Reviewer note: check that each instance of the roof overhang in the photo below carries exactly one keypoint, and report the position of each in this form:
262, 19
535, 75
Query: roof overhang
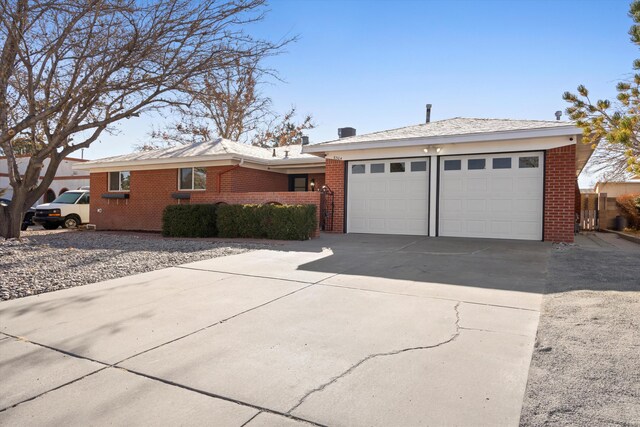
214, 160
323, 148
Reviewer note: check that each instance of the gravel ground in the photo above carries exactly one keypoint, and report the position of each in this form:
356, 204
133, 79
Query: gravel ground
45, 261
585, 369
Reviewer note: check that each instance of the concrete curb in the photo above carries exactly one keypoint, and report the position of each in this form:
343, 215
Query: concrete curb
624, 236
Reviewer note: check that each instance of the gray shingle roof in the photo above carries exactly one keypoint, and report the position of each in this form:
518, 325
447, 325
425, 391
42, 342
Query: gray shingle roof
451, 127
218, 147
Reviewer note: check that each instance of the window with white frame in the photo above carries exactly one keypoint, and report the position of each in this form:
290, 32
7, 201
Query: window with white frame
119, 181
192, 179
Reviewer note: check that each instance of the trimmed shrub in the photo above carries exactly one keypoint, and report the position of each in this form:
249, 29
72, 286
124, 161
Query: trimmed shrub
189, 221
280, 222
629, 205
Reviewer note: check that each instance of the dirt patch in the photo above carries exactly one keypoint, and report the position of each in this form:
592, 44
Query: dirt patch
585, 368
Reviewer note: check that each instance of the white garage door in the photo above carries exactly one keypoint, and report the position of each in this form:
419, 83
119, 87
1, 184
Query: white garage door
388, 196
497, 196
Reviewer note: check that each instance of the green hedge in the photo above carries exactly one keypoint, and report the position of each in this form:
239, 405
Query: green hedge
189, 221
285, 222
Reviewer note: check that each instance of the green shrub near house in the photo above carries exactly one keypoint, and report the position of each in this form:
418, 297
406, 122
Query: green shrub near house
280, 222
189, 221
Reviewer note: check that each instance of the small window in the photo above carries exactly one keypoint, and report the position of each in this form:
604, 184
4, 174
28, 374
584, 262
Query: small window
418, 166
529, 162
192, 179
119, 181
475, 164
377, 168
452, 165
502, 163
357, 169
396, 167
299, 183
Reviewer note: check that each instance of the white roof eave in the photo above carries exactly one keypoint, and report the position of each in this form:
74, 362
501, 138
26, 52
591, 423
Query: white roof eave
447, 139
199, 159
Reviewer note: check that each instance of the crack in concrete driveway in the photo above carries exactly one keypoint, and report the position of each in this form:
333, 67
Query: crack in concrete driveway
384, 354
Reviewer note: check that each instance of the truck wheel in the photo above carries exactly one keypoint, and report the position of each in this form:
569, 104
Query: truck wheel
71, 221
50, 226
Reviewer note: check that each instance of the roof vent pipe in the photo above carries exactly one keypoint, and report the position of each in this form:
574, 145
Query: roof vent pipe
428, 113
286, 154
305, 140
274, 153
558, 114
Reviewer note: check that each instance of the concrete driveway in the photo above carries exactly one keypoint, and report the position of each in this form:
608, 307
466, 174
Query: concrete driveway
341, 330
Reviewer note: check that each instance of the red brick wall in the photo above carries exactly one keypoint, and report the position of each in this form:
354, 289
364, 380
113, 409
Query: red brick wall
560, 193
319, 180
151, 192
334, 178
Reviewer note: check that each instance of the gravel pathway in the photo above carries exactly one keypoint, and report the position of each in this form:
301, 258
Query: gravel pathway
45, 261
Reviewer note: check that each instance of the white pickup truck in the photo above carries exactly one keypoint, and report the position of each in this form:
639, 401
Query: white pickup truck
70, 209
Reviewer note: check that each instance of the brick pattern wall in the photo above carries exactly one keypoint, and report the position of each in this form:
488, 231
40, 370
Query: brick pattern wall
151, 192
560, 193
319, 180
334, 178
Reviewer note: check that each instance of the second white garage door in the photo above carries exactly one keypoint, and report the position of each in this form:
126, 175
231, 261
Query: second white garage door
495, 196
388, 196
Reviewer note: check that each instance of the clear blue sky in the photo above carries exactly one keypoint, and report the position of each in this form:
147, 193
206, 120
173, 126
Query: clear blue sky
374, 65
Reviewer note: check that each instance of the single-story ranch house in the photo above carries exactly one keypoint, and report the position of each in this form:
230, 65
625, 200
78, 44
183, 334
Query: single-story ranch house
130, 192
491, 178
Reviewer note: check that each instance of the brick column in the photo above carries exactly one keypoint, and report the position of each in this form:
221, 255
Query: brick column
334, 178
560, 194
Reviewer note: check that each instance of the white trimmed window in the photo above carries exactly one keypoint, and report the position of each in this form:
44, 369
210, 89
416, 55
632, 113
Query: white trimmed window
119, 181
192, 179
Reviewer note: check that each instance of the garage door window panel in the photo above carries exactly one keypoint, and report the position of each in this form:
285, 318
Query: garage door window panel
529, 162
502, 163
377, 168
418, 166
357, 169
452, 165
476, 164
396, 167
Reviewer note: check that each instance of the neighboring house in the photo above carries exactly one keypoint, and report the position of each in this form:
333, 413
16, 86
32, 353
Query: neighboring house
618, 188
462, 177
603, 199
66, 177
130, 192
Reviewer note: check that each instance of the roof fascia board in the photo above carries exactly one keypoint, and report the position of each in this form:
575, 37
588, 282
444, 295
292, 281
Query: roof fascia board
170, 163
449, 139
454, 149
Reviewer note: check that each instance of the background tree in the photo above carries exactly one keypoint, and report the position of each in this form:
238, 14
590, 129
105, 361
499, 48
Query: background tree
70, 69
616, 126
282, 130
228, 104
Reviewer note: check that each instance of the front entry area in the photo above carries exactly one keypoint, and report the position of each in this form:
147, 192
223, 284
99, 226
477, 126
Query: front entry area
495, 196
388, 196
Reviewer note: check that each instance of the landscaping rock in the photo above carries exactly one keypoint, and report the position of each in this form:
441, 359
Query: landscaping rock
45, 261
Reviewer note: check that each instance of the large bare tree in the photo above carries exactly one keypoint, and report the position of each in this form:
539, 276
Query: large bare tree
70, 69
228, 103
